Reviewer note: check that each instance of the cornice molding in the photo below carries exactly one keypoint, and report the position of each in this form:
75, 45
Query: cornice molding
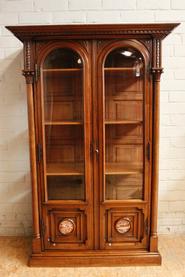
90, 31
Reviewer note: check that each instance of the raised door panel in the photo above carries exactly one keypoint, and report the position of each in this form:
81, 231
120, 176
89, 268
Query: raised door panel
66, 135
68, 228
124, 166
124, 227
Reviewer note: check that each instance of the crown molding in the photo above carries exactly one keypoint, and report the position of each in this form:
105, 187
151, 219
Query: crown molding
91, 31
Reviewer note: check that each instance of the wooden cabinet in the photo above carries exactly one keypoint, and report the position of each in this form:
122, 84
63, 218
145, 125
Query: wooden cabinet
93, 105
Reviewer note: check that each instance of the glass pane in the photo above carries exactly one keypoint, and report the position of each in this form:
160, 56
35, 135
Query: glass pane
64, 125
65, 187
123, 123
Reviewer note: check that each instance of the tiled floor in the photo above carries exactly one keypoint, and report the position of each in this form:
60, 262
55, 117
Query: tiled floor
14, 254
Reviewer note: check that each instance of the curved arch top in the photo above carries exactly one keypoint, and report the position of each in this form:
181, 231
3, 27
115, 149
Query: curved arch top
75, 48
138, 46
62, 58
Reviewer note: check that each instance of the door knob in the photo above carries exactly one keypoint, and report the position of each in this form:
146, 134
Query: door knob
97, 151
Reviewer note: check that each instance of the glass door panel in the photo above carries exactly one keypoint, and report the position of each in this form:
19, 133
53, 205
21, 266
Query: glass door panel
62, 75
123, 125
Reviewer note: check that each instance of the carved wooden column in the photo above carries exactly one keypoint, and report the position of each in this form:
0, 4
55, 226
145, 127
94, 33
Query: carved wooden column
29, 73
156, 71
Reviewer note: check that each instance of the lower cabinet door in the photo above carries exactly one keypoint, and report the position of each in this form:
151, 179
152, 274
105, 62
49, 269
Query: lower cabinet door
124, 228
67, 229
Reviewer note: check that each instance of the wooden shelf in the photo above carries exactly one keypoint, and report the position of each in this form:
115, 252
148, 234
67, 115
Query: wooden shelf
109, 122
122, 169
119, 68
64, 169
62, 70
69, 169
63, 123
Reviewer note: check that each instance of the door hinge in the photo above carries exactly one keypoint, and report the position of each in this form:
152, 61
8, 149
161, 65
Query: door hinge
37, 72
39, 153
148, 151
43, 227
146, 226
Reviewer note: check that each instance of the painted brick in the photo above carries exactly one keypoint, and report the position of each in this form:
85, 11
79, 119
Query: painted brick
14, 166
172, 108
2, 53
163, 206
35, 18
9, 42
69, 17
85, 5
179, 74
173, 62
165, 120
164, 97
174, 153
168, 164
9, 123
165, 221
8, 18
54, 5
180, 29
17, 6
168, 75
173, 85
138, 16
178, 4
153, 4
173, 39
103, 17
12, 177
177, 195
178, 206
179, 50
177, 96
174, 229
168, 51
173, 175
178, 119
119, 4
170, 16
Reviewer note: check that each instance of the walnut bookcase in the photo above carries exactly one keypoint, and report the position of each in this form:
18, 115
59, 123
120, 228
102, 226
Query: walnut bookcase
93, 106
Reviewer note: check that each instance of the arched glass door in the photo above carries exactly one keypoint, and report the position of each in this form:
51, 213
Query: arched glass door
62, 77
124, 125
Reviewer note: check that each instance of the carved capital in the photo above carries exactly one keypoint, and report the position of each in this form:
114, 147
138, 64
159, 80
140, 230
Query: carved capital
29, 75
157, 73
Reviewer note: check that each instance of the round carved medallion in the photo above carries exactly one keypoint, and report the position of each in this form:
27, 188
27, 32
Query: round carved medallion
66, 226
122, 225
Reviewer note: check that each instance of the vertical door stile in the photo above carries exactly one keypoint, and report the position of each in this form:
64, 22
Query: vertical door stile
95, 143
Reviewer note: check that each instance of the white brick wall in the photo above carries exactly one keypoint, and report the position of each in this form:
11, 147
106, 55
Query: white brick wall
15, 194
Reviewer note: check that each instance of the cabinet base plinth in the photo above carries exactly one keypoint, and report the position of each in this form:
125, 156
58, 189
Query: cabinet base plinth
149, 259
